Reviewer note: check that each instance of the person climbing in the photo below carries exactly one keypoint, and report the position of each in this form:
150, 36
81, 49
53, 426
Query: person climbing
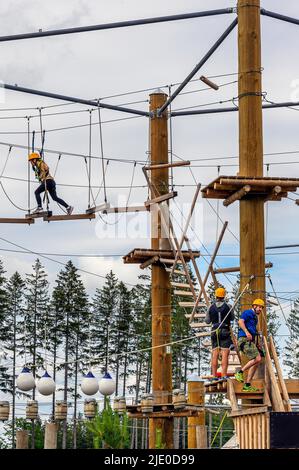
220, 314
248, 343
48, 184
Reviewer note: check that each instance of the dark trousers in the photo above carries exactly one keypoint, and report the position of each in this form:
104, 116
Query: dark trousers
51, 188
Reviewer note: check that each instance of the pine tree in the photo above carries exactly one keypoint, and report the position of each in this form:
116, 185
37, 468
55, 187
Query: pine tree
35, 320
104, 307
4, 331
124, 318
12, 325
71, 302
140, 363
292, 344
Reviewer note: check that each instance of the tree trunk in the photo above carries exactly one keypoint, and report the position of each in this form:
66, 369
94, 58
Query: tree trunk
66, 357
14, 377
75, 386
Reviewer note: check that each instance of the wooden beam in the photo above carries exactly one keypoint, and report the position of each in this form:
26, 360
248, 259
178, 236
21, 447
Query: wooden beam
183, 293
207, 300
210, 267
199, 325
196, 395
236, 269
164, 197
149, 262
116, 210
183, 237
292, 387
101, 208
275, 392
209, 83
58, 218
274, 194
297, 202
38, 215
264, 183
180, 284
280, 376
191, 304
231, 395
164, 414
197, 315
166, 165
237, 195
250, 411
160, 282
9, 220
176, 271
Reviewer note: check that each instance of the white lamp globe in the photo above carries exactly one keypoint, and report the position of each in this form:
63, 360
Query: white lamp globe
25, 380
46, 385
89, 384
107, 385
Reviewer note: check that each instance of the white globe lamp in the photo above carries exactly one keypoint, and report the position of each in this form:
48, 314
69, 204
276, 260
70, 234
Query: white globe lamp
25, 380
46, 385
107, 385
89, 384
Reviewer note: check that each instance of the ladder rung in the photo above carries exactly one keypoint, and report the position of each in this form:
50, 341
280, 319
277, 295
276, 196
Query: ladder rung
179, 284
196, 315
183, 293
191, 304
169, 261
176, 271
187, 304
202, 334
198, 325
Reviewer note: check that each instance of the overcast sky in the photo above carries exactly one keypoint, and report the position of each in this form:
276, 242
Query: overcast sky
104, 63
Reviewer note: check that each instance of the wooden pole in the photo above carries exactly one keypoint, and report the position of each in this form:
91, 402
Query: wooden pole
22, 439
252, 240
283, 387
196, 425
161, 289
50, 436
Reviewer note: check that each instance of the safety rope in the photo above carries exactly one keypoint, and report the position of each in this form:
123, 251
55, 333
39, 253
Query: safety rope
6, 161
102, 151
217, 208
89, 158
220, 426
28, 163
278, 301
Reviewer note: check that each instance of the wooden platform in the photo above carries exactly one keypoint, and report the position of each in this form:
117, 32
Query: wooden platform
141, 255
221, 387
11, 220
225, 187
38, 215
57, 218
166, 410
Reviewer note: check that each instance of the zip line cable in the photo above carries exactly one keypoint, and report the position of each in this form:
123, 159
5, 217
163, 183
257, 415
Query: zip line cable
56, 261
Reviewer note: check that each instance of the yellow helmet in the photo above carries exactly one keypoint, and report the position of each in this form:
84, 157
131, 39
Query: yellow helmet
33, 156
220, 292
259, 302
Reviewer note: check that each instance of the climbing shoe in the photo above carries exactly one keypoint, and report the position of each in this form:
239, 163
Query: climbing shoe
37, 210
249, 388
239, 376
69, 210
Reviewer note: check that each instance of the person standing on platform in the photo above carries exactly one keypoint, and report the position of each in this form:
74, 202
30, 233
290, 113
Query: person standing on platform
248, 343
220, 314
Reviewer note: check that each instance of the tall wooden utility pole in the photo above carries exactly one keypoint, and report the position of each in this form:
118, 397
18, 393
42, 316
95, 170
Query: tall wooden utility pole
161, 295
252, 240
